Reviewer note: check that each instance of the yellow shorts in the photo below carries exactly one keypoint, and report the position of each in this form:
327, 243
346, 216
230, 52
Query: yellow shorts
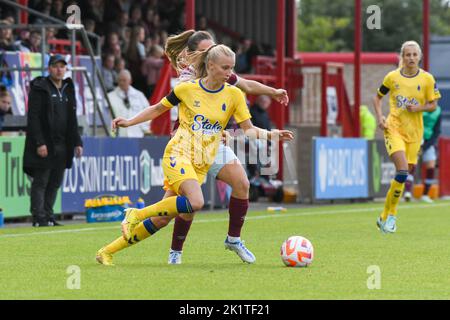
396, 143
179, 169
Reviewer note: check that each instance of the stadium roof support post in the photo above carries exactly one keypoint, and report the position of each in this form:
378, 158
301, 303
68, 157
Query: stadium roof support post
357, 68
190, 14
426, 34
281, 66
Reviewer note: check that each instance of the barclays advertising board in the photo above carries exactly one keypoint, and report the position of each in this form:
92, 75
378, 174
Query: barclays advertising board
340, 168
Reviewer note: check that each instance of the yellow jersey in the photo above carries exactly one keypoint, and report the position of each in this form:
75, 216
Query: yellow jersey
203, 115
418, 90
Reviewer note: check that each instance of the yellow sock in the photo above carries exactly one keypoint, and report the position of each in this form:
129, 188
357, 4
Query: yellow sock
392, 199
117, 245
170, 206
144, 230
387, 206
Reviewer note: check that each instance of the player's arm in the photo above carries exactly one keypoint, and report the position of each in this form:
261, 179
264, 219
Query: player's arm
429, 107
381, 120
256, 88
251, 131
147, 114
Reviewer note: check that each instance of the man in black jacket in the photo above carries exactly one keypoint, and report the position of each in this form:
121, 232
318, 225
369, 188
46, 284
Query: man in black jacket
52, 138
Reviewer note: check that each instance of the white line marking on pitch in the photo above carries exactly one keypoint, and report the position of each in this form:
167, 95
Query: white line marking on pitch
269, 216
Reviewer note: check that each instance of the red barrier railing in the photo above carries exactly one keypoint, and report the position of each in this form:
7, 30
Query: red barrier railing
63, 46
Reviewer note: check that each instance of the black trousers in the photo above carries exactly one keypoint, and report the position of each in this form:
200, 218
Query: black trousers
45, 185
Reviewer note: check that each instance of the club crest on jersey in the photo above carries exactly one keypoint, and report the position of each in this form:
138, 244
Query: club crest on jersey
201, 123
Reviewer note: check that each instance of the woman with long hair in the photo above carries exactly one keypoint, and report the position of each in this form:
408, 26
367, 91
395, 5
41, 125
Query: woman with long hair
226, 167
205, 107
412, 91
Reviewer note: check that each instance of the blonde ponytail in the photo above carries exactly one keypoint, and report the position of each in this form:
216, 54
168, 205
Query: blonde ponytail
186, 41
175, 46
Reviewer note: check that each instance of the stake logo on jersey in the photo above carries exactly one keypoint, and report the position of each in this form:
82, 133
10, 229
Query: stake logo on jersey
203, 117
201, 123
402, 101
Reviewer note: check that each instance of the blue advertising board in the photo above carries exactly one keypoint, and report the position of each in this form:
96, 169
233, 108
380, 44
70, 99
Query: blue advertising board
115, 166
340, 168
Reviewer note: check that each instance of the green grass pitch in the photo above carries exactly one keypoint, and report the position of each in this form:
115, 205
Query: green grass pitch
413, 263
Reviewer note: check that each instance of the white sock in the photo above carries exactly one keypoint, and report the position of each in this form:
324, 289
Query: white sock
234, 239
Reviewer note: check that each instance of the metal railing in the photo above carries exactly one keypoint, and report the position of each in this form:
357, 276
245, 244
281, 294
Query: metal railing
59, 24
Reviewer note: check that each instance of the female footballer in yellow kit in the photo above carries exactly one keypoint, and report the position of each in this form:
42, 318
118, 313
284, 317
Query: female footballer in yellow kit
206, 106
412, 91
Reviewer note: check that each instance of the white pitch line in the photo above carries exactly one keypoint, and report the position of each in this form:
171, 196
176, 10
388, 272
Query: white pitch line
269, 216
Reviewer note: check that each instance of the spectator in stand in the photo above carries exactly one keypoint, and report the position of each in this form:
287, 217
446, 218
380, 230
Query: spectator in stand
116, 51
136, 16
260, 117
148, 20
108, 72
125, 39
148, 45
89, 25
151, 68
157, 26
6, 37
57, 10
115, 7
126, 101
203, 25
5, 104
44, 7
112, 39
164, 35
50, 34
119, 65
136, 55
156, 39
242, 61
24, 35
119, 25
33, 44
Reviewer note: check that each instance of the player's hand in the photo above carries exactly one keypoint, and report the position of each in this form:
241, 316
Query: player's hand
119, 122
283, 135
42, 151
381, 123
281, 96
226, 136
413, 108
